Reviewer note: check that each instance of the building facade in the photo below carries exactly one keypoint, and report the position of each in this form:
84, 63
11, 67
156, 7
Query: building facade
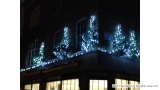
69, 44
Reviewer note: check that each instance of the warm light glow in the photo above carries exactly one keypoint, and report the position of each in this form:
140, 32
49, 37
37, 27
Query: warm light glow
70, 84
98, 85
27, 87
55, 85
121, 82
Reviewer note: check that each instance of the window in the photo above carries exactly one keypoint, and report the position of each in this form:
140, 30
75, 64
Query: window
98, 85
125, 82
58, 6
27, 87
31, 52
35, 86
55, 85
81, 30
134, 83
121, 82
57, 37
35, 17
31, 87
70, 84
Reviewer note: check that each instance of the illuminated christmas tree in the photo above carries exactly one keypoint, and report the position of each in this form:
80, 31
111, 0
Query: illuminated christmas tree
40, 57
90, 38
63, 47
132, 49
117, 44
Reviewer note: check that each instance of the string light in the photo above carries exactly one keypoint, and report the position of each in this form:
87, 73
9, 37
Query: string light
89, 44
61, 49
116, 44
90, 39
40, 57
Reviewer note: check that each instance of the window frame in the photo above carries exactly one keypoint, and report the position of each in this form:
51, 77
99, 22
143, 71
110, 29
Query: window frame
31, 52
78, 30
105, 80
59, 32
58, 7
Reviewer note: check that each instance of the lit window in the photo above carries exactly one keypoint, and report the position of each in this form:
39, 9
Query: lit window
35, 86
134, 83
27, 87
121, 82
57, 37
81, 30
98, 85
31, 87
35, 17
70, 84
55, 85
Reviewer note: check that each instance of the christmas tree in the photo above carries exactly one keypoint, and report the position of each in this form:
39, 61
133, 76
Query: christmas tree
117, 43
132, 49
40, 57
63, 47
90, 38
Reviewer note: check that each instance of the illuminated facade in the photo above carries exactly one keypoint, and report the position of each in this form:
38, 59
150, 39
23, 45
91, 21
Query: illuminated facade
67, 46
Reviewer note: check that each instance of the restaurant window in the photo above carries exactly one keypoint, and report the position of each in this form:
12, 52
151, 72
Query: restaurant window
35, 86
54, 85
98, 85
31, 86
121, 82
135, 83
70, 84
27, 87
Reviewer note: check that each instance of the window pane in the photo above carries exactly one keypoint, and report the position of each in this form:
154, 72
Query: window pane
101, 84
118, 82
27, 87
91, 85
71, 84
35, 86
76, 84
136, 85
98, 85
124, 82
80, 29
95, 84
55, 85
106, 84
